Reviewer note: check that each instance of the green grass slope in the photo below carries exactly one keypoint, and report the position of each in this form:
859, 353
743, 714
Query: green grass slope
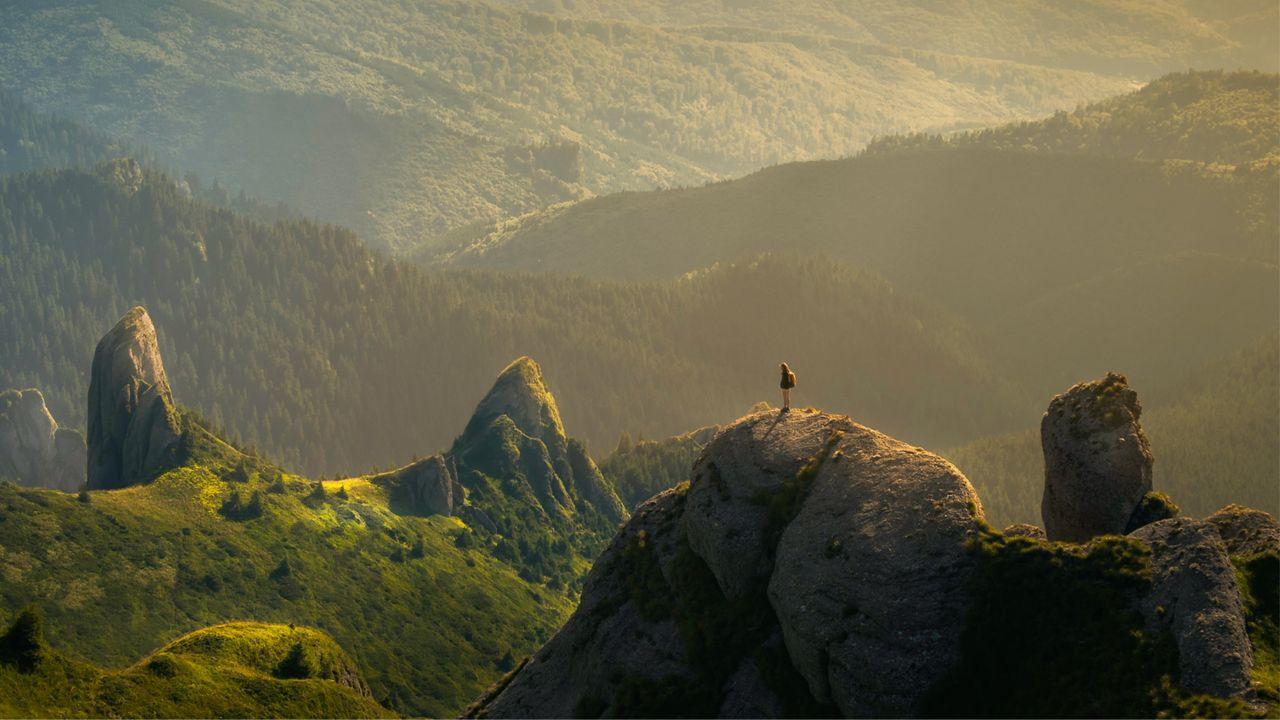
1214, 444
239, 669
117, 572
403, 121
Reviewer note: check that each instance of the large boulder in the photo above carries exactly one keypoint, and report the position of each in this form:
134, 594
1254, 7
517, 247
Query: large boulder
862, 608
1246, 531
739, 481
1194, 596
425, 487
134, 425
33, 449
870, 582
1097, 461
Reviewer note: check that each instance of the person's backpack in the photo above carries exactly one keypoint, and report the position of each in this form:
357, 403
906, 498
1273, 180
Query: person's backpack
791, 380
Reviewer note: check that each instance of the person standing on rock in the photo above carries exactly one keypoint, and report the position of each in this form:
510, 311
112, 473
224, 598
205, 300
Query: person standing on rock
788, 382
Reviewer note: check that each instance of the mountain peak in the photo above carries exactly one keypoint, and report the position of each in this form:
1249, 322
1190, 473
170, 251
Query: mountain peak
521, 393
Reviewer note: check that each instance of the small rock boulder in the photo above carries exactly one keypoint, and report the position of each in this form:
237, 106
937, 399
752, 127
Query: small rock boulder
425, 487
1194, 595
1097, 461
1246, 531
134, 425
870, 583
1025, 530
740, 480
33, 449
1154, 507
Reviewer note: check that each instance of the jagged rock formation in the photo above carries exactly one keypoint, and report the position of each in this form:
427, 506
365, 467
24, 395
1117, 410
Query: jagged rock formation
1025, 530
1246, 531
134, 425
425, 487
1194, 595
516, 432
847, 545
33, 449
1097, 461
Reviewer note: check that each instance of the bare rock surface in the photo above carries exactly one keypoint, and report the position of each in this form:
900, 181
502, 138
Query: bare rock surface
1025, 530
425, 487
33, 449
1246, 531
734, 482
870, 581
133, 423
1097, 461
1194, 595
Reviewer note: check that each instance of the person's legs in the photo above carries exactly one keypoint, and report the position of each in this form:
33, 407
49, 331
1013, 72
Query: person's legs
786, 399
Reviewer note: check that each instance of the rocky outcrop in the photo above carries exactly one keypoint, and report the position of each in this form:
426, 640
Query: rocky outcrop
425, 487
1097, 461
134, 426
862, 598
33, 449
1246, 531
735, 481
1195, 597
870, 580
1154, 507
615, 637
516, 433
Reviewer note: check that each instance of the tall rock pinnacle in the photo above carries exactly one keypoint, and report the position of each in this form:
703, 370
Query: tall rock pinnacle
133, 423
1097, 462
33, 449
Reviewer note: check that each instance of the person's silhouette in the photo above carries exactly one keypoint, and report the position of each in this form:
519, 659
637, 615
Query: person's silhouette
788, 382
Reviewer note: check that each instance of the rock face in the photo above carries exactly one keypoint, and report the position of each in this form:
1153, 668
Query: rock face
1194, 595
33, 449
1097, 462
611, 635
134, 427
1246, 531
425, 487
516, 432
842, 543
871, 576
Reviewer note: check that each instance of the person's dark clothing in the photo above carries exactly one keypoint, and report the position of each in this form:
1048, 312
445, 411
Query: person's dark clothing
788, 380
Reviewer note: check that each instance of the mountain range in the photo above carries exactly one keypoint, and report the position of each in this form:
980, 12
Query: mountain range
407, 121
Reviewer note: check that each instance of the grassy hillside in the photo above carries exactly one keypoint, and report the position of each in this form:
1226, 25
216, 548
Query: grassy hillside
117, 572
232, 670
405, 120
334, 359
1214, 445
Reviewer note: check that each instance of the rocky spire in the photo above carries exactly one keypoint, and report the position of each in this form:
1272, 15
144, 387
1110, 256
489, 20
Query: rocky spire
516, 430
1097, 462
33, 449
133, 423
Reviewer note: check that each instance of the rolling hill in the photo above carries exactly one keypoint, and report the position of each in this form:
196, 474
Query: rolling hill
237, 669
405, 121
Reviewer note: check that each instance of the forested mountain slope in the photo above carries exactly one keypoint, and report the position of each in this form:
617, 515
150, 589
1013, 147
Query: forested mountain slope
1214, 443
306, 344
1137, 234
403, 121
1117, 37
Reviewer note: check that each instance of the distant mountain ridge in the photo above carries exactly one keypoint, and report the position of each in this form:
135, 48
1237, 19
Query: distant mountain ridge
405, 122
